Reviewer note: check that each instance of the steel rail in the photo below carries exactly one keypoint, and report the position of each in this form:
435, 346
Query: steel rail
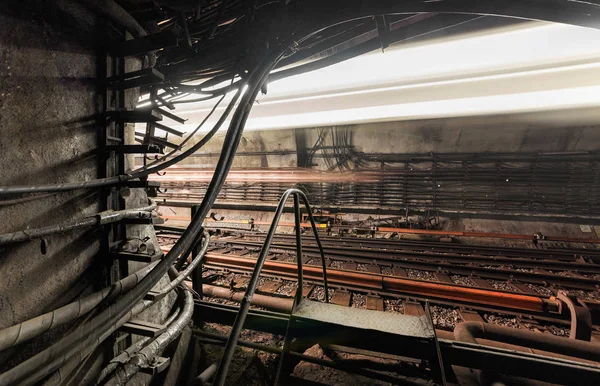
388, 256
493, 235
539, 277
375, 282
430, 246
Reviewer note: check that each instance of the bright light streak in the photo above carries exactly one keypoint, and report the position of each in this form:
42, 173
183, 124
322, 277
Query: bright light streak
533, 68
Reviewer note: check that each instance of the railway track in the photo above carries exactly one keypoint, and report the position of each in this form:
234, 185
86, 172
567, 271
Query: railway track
445, 314
564, 254
523, 274
465, 277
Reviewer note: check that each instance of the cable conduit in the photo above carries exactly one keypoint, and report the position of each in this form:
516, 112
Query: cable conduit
101, 218
146, 356
92, 333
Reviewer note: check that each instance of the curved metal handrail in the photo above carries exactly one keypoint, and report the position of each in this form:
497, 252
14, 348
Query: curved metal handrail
246, 300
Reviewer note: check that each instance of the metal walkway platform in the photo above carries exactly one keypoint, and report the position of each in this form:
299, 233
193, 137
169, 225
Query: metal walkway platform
385, 322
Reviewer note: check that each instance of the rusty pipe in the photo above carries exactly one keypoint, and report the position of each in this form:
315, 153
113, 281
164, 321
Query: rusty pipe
269, 302
469, 332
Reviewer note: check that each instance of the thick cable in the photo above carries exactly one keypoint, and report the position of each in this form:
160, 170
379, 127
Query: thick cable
91, 333
102, 218
186, 272
61, 375
113, 11
180, 146
128, 353
145, 357
29, 329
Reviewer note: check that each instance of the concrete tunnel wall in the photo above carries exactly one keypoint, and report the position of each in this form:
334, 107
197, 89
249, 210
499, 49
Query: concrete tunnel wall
48, 134
556, 131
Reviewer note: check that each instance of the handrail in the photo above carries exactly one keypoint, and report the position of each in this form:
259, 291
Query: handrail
246, 300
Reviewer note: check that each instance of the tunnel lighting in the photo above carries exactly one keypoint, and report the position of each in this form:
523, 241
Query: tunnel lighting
533, 68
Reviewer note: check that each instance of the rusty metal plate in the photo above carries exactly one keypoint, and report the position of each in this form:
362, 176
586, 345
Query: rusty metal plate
374, 303
341, 298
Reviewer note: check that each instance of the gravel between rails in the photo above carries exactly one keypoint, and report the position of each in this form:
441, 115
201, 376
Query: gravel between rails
545, 291
393, 305
287, 288
585, 295
359, 300
462, 280
445, 317
503, 320
502, 285
286, 258
558, 331
421, 275
318, 293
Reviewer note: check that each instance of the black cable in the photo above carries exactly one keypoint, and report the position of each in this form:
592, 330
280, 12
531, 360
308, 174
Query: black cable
38, 366
139, 173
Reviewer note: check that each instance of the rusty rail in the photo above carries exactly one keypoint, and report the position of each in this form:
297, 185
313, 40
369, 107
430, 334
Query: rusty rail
394, 284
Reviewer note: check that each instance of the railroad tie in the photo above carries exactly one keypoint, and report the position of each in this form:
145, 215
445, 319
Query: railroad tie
341, 298
374, 303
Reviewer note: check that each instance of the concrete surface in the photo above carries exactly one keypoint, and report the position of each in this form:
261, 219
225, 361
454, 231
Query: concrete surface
47, 134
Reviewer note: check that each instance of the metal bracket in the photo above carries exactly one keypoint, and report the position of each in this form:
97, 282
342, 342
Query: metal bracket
140, 327
145, 77
137, 256
581, 318
134, 116
159, 365
133, 149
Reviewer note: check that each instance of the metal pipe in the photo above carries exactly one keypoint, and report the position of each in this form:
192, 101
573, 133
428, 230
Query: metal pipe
468, 332
146, 356
268, 302
207, 374
319, 245
299, 254
118, 15
101, 218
